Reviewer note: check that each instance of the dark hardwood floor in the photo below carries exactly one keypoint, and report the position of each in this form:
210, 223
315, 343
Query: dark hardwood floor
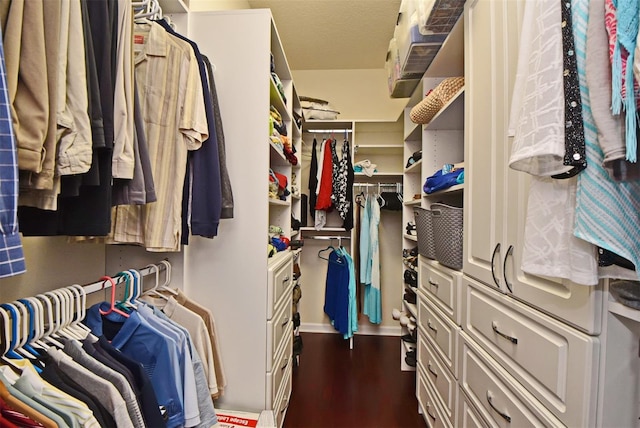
364, 387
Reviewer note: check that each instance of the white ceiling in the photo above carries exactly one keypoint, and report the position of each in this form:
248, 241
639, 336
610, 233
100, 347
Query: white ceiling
333, 34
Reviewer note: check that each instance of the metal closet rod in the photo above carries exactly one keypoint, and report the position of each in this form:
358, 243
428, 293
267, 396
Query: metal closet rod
326, 131
326, 238
104, 284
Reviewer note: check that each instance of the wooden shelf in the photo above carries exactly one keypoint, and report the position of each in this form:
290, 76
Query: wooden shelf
450, 116
296, 197
411, 237
324, 229
624, 311
378, 149
377, 174
277, 156
412, 202
414, 133
414, 167
412, 308
458, 188
449, 61
278, 202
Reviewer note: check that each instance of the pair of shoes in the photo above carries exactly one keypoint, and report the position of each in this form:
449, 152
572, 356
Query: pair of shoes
411, 277
411, 228
410, 358
410, 337
413, 252
410, 262
410, 297
296, 320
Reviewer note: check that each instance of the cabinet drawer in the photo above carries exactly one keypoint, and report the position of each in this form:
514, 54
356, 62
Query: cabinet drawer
280, 278
282, 401
276, 329
552, 360
438, 376
280, 367
498, 396
468, 416
428, 403
439, 330
443, 284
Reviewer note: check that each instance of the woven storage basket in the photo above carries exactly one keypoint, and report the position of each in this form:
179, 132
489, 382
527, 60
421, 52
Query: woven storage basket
423, 112
424, 227
447, 234
448, 88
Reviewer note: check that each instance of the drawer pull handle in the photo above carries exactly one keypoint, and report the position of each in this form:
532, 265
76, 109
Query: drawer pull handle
285, 365
504, 415
433, 372
512, 339
429, 412
286, 279
286, 321
435, 284
286, 403
504, 268
493, 272
435, 330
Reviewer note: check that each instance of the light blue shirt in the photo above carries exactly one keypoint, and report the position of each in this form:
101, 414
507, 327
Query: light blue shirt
158, 354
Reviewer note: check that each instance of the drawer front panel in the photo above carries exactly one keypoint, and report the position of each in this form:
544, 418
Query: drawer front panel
276, 329
431, 411
282, 364
439, 329
497, 396
282, 403
438, 375
443, 285
550, 359
468, 416
280, 278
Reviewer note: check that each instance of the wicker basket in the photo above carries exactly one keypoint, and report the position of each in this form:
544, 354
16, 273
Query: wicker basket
424, 227
447, 234
425, 110
448, 88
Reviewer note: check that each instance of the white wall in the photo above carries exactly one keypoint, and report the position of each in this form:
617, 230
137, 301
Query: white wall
356, 94
199, 5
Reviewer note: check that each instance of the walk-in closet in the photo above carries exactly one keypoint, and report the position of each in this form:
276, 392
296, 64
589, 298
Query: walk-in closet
313, 213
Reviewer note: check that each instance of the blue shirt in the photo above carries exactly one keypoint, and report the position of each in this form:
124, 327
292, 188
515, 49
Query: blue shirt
137, 339
11, 254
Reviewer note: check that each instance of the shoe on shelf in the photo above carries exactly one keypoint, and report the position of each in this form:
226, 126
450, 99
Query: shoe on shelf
410, 252
410, 297
411, 361
411, 228
411, 277
409, 338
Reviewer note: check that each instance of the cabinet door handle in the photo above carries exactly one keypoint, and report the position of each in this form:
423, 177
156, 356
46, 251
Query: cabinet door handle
285, 365
429, 412
286, 403
494, 326
285, 279
286, 321
435, 330
493, 272
433, 372
504, 268
504, 415
435, 284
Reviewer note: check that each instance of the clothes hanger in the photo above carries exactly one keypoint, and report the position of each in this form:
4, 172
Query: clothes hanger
49, 322
167, 278
137, 286
112, 307
153, 291
77, 311
39, 327
330, 247
61, 301
5, 340
29, 321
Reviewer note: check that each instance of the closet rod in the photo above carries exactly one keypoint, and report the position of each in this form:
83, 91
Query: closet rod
326, 131
105, 284
376, 184
327, 238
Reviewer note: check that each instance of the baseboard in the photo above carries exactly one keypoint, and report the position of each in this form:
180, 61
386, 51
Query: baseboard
366, 329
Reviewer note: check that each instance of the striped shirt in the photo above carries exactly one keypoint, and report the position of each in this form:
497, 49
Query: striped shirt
11, 254
167, 76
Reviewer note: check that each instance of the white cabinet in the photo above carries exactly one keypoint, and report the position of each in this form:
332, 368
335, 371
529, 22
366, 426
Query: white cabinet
496, 197
249, 293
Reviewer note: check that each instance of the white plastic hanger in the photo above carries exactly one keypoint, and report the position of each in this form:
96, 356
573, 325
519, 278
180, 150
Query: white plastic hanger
49, 322
167, 279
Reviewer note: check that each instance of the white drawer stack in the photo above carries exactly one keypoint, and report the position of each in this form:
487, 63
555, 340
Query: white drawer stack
438, 330
279, 335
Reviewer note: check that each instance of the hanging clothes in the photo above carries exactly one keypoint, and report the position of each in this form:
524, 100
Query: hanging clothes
313, 180
325, 185
372, 306
340, 293
603, 206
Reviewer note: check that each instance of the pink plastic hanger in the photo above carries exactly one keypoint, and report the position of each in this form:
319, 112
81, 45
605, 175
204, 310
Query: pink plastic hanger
113, 299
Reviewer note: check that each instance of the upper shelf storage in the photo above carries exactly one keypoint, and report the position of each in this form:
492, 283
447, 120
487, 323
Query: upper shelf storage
448, 118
